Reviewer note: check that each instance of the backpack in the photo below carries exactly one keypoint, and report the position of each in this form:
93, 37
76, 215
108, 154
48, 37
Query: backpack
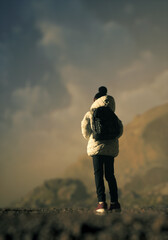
105, 124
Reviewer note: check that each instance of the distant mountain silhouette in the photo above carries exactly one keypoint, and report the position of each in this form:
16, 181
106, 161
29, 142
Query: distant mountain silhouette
144, 144
55, 193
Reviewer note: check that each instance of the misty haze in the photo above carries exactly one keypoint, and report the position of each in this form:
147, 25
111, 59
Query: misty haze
54, 55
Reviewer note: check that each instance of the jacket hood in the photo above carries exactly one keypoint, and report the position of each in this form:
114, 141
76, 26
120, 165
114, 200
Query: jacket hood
105, 101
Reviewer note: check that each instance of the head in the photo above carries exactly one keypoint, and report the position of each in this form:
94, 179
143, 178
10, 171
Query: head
102, 92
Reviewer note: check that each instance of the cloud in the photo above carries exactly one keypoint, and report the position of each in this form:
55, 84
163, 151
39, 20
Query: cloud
143, 98
47, 37
146, 20
140, 72
96, 55
24, 63
160, 86
51, 34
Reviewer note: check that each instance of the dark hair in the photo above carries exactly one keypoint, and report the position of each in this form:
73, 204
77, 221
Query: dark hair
102, 92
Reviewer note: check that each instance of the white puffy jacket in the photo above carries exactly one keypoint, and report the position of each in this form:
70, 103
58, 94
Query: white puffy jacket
105, 147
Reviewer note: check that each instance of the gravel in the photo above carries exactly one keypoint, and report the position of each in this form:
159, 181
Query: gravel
82, 223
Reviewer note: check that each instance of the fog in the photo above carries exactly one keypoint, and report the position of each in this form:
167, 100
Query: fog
53, 57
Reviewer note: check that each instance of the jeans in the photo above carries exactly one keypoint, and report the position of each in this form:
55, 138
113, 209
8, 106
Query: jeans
100, 161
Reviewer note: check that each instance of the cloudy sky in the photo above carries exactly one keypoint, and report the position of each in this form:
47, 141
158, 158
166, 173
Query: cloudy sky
53, 57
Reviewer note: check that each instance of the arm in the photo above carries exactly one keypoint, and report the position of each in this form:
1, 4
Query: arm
86, 126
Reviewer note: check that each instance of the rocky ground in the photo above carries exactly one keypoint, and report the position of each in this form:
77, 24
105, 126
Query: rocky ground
75, 224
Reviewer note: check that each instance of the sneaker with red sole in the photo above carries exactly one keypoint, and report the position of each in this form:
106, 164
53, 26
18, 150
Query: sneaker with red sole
101, 207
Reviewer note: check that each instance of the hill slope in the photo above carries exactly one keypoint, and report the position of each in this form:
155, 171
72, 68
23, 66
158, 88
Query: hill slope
144, 144
55, 193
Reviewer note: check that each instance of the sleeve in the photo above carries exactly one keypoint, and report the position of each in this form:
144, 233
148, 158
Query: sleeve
86, 126
121, 128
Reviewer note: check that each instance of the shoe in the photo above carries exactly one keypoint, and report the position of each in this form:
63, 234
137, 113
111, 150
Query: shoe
115, 207
101, 207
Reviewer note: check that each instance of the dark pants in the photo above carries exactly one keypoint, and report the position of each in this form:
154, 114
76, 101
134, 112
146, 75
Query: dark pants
100, 161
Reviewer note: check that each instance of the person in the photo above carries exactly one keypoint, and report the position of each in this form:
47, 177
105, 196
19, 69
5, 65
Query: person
103, 153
